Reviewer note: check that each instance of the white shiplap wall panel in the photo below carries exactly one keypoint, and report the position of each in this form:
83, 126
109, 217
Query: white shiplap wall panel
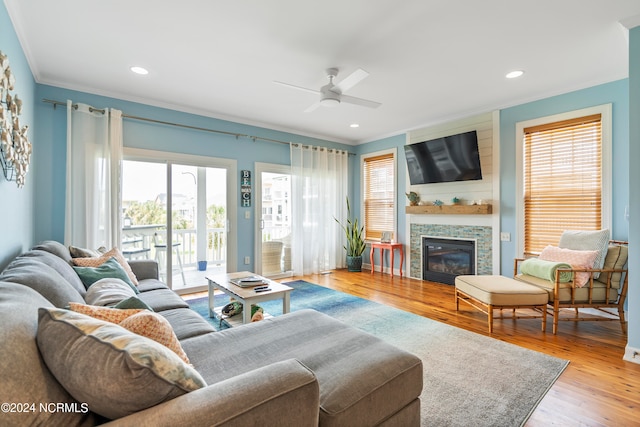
468, 191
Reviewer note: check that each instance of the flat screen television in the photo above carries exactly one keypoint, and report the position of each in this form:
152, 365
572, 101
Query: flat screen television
447, 159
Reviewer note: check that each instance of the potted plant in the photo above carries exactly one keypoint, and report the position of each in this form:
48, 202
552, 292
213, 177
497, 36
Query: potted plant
355, 240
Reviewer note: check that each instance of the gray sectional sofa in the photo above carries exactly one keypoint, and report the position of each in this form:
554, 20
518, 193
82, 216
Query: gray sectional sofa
299, 369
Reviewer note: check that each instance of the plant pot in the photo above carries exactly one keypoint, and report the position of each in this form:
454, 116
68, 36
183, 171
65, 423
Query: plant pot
202, 265
354, 263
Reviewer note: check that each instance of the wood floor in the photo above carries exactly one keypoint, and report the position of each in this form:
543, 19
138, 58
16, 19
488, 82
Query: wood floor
597, 389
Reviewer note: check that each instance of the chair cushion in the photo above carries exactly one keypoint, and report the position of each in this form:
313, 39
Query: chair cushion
113, 370
616, 259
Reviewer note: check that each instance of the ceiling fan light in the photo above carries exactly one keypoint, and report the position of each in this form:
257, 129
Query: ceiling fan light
330, 102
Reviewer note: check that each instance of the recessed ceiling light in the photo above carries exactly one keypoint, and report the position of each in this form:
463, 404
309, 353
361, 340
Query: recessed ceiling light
354, 125
514, 74
140, 70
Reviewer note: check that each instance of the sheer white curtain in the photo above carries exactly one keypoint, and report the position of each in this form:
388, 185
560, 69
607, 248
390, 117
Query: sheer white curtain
319, 191
94, 157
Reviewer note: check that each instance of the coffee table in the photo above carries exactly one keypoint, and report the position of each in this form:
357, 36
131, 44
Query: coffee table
247, 296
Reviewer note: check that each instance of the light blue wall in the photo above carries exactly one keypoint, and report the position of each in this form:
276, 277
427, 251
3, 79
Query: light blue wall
633, 300
16, 205
616, 93
397, 142
152, 136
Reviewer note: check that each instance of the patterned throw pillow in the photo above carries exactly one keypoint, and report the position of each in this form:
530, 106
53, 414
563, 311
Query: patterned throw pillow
154, 326
139, 321
577, 259
108, 269
113, 370
98, 261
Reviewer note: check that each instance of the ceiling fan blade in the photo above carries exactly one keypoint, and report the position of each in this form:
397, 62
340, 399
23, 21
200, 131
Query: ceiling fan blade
359, 101
312, 107
297, 87
353, 79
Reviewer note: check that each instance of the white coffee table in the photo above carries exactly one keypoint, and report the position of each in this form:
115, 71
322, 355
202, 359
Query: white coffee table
247, 296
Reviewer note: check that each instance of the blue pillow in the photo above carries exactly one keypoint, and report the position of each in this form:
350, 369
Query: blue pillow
109, 269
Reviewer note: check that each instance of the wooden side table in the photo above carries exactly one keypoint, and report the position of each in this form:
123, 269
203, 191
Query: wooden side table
383, 247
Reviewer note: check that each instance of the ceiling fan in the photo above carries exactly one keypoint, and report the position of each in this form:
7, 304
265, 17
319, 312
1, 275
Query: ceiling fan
331, 95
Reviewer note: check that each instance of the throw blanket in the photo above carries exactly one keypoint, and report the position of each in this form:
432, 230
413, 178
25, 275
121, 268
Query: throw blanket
545, 269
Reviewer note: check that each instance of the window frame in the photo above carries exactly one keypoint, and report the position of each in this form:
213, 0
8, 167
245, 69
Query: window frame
363, 158
606, 158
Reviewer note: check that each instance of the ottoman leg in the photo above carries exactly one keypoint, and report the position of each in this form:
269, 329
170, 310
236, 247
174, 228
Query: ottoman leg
490, 314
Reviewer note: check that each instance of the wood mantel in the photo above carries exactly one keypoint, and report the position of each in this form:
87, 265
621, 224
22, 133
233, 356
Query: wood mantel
450, 209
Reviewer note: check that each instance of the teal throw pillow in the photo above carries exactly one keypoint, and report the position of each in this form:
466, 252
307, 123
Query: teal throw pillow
133, 302
109, 269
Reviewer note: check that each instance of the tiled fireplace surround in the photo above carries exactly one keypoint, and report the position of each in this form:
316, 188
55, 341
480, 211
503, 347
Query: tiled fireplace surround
481, 234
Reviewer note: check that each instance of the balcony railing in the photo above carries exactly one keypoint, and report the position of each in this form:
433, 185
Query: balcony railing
216, 242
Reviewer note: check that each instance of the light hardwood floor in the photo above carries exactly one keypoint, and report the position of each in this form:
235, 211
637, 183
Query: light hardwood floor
597, 389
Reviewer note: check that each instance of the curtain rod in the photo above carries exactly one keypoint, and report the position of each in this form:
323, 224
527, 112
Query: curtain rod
162, 122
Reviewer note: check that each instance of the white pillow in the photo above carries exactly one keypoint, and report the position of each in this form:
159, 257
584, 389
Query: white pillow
587, 241
108, 291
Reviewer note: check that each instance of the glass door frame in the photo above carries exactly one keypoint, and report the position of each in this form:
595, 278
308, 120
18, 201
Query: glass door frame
230, 165
260, 168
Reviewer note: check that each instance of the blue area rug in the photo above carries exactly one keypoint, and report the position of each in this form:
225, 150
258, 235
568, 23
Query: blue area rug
469, 379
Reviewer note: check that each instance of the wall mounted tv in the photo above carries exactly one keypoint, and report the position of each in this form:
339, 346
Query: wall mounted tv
447, 159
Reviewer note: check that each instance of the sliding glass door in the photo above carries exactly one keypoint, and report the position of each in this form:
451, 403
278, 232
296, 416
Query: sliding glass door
273, 207
177, 214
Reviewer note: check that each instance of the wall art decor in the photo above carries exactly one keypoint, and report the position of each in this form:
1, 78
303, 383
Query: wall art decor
15, 148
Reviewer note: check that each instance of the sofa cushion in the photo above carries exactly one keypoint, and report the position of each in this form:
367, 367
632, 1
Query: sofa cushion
361, 377
59, 265
43, 279
151, 285
187, 323
98, 261
138, 321
133, 302
56, 248
108, 291
162, 299
25, 377
108, 269
114, 371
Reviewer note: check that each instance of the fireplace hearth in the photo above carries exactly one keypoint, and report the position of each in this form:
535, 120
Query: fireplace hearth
444, 259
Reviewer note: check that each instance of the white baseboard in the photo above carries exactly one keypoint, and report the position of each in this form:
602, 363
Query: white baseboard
632, 355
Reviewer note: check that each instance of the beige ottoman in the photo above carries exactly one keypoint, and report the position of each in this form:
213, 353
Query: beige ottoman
487, 293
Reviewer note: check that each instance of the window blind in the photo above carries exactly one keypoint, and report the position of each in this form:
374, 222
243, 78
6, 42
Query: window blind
562, 180
379, 195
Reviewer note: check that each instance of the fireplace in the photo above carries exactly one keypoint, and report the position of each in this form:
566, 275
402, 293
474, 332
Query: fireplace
444, 259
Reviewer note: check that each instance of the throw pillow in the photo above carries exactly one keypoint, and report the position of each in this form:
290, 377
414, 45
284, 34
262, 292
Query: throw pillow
99, 260
139, 321
577, 259
77, 252
154, 326
108, 291
587, 241
114, 371
133, 302
109, 269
